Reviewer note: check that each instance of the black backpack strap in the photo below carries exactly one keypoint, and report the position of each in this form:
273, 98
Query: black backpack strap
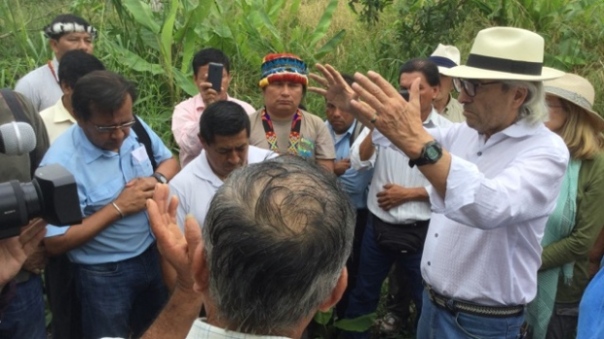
358, 127
14, 105
17, 109
144, 138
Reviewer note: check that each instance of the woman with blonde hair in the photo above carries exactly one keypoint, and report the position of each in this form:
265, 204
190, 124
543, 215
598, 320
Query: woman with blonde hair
576, 222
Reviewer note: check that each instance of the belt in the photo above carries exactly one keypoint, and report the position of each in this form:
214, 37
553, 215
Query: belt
453, 305
417, 223
410, 224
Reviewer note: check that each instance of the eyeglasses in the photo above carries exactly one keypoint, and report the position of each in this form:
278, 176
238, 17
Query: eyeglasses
111, 129
470, 86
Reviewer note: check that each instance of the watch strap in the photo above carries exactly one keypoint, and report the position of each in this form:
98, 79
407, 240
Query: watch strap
431, 153
160, 178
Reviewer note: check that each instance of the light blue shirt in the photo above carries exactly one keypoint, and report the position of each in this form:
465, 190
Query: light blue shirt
101, 176
354, 182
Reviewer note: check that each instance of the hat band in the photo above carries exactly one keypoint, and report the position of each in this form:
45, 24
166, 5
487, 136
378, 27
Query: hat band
59, 28
573, 97
442, 61
504, 65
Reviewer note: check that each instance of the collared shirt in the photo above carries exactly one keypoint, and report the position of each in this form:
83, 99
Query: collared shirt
454, 110
196, 184
202, 330
41, 86
100, 176
315, 138
57, 120
354, 182
392, 167
483, 244
185, 125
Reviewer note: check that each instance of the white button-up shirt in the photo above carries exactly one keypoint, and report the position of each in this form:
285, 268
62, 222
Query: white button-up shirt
392, 167
483, 244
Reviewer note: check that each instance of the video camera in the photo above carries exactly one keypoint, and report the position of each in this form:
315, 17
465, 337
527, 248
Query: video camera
51, 195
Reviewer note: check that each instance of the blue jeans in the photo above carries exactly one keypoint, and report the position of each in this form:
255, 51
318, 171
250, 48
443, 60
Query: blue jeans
373, 270
121, 299
24, 317
437, 323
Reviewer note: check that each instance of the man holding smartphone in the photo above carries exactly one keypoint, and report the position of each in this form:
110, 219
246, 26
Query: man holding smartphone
213, 84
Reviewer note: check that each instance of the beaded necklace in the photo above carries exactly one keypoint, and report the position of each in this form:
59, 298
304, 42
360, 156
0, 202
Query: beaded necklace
294, 134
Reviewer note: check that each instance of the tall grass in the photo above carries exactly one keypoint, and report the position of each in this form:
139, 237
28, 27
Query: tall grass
155, 51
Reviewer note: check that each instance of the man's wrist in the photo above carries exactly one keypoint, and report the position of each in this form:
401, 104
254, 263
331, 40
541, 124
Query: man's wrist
118, 209
431, 153
160, 178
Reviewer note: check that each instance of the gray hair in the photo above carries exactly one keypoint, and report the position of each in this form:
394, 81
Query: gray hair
277, 236
534, 109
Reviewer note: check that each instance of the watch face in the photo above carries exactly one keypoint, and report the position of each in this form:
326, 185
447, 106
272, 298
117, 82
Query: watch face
432, 153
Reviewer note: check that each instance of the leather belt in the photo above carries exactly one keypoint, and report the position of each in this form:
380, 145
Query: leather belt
453, 305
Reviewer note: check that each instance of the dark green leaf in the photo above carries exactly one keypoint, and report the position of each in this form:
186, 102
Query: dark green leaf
360, 324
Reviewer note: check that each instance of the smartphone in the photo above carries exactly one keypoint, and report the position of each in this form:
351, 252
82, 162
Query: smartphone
215, 75
404, 93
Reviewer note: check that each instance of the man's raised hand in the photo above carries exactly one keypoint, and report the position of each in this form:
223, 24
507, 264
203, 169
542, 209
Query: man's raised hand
176, 248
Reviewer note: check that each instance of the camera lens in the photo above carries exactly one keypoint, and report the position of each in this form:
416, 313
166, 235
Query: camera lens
18, 204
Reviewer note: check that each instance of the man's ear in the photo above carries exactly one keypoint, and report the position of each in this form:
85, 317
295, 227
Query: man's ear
520, 96
79, 121
204, 144
201, 273
337, 292
53, 43
65, 88
435, 90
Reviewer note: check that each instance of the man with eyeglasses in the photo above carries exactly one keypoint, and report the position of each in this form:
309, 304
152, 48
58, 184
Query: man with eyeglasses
494, 181
117, 267
58, 273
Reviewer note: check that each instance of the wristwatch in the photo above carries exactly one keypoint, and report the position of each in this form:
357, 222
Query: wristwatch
431, 153
160, 178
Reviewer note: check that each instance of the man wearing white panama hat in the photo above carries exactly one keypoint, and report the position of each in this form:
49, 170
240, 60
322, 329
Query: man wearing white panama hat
445, 57
494, 180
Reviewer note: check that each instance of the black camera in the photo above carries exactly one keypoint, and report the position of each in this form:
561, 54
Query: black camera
51, 195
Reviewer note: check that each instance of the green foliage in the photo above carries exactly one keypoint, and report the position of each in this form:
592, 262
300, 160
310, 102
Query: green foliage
154, 48
326, 326
371, 9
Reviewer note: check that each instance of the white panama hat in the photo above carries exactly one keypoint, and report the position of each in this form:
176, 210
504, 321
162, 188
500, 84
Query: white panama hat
505, 53
579, 92
445, 56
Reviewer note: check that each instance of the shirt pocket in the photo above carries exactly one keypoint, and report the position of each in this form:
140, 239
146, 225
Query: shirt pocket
141, 167
103, 195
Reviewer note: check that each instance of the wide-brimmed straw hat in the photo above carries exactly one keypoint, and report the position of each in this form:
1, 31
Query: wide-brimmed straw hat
445, 56
505, 53
579, 92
